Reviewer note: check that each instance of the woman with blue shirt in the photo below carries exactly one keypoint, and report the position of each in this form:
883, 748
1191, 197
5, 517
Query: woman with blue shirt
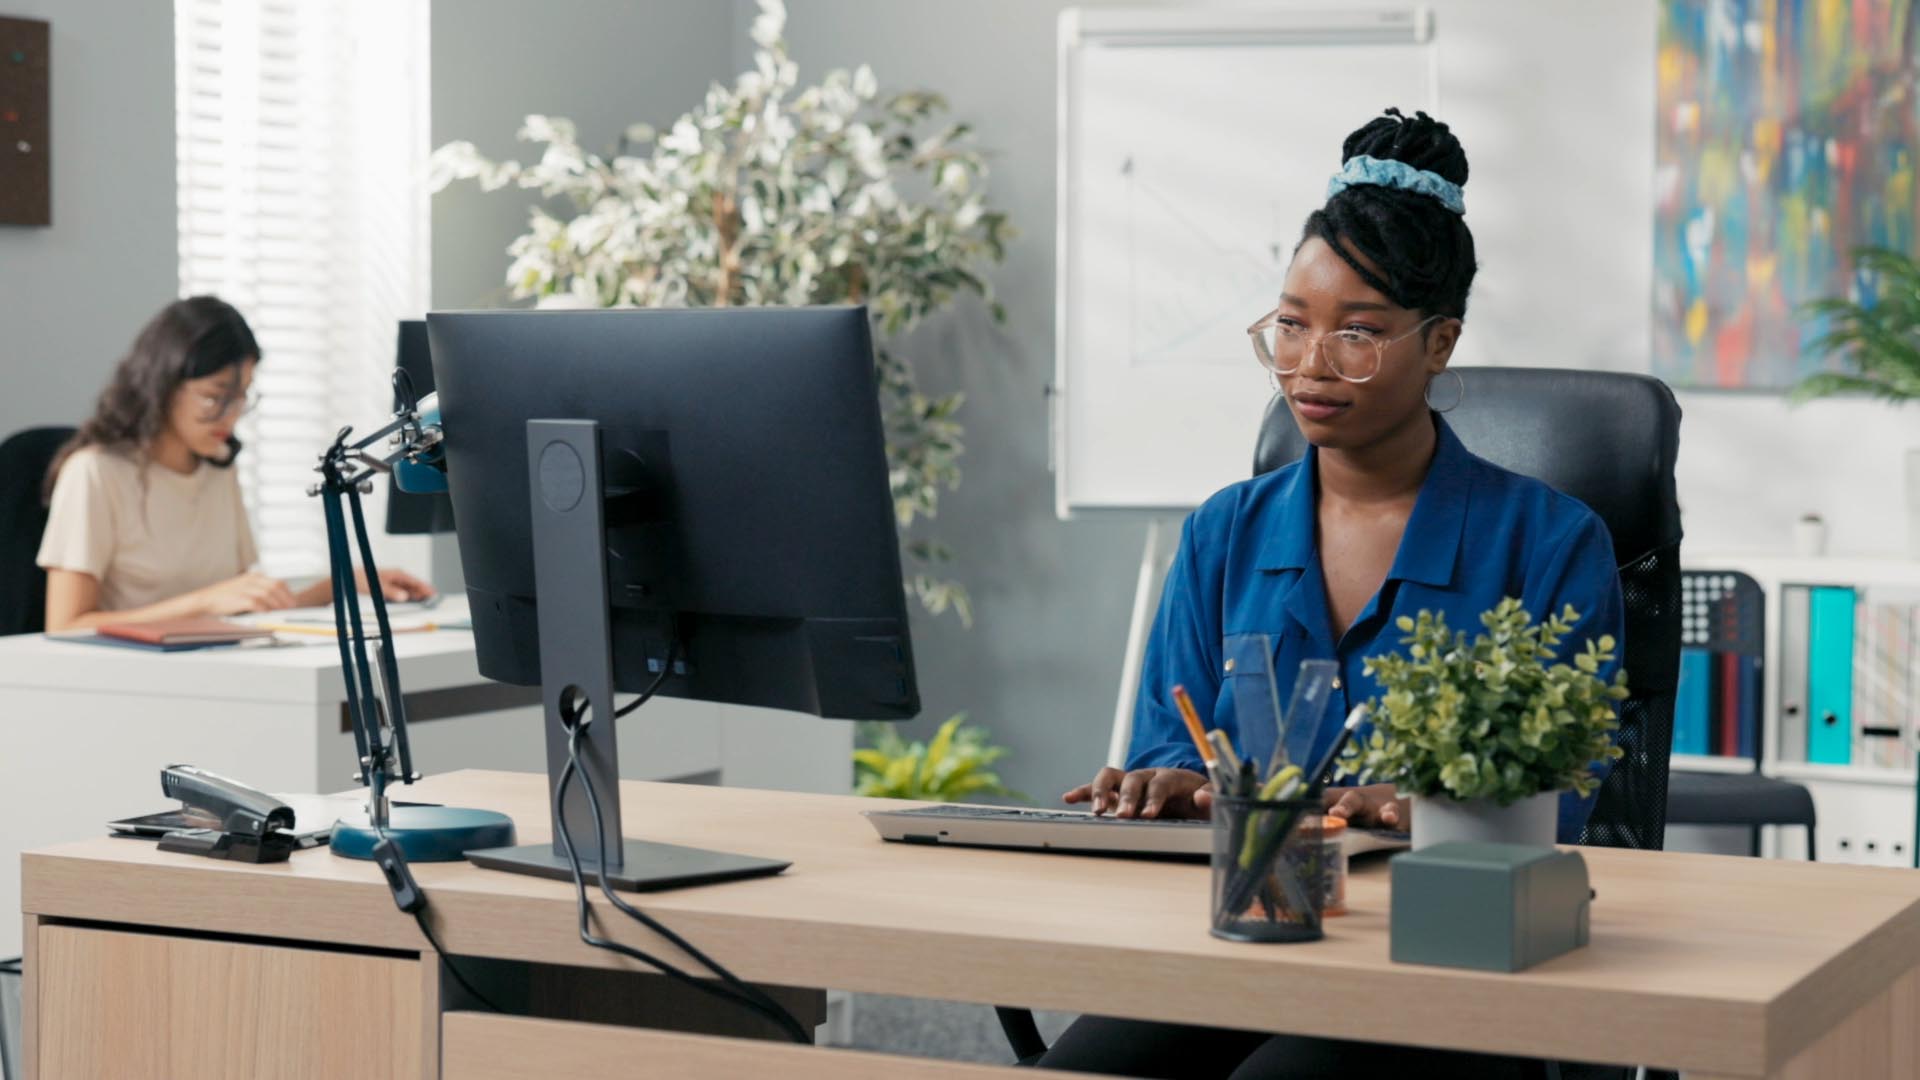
1387, 514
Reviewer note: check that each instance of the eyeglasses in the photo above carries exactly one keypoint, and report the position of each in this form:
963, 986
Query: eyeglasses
1282, 346
217, 406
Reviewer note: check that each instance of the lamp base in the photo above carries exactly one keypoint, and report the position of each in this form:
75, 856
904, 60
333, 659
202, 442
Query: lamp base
425, 833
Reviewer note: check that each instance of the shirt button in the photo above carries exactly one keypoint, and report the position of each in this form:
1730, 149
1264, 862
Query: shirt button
1229, 667
1336, 682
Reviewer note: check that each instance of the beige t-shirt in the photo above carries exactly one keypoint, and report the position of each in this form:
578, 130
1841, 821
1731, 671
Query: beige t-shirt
146, 532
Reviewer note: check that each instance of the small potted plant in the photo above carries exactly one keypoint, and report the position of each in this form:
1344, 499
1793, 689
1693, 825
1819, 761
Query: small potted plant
956, 765
1486, 735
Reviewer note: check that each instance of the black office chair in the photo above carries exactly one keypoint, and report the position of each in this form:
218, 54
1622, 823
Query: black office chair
24, 458
1746, 800
1609, 440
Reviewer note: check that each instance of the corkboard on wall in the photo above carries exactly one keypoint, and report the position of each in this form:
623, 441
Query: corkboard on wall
26, 189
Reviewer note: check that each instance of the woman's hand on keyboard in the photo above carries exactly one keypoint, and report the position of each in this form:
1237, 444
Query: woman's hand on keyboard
1147, 793
1374, 806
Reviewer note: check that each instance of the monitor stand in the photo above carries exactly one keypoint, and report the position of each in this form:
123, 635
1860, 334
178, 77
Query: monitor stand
576, 672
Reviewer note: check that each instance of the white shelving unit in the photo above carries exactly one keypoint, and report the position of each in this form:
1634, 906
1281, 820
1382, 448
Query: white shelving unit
1710, 763
1866, 814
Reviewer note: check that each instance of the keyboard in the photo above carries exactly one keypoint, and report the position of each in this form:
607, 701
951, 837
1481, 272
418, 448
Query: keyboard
1074, 831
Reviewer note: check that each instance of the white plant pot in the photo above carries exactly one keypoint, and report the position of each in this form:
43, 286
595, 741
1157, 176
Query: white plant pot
1440, 820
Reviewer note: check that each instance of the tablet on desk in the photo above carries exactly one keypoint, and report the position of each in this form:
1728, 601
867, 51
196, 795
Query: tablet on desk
1077, 832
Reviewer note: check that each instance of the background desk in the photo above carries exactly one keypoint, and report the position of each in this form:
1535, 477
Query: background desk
85, 730
1722, 966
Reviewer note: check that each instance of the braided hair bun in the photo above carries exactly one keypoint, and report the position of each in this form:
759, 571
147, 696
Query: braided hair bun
1420, 252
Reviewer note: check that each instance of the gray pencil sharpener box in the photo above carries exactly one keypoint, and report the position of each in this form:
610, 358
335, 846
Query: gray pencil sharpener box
1495, 907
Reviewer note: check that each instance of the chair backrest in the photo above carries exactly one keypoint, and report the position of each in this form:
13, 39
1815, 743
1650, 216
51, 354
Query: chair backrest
1609, 440
24, 458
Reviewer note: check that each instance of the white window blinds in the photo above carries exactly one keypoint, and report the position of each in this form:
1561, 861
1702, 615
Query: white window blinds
302, 132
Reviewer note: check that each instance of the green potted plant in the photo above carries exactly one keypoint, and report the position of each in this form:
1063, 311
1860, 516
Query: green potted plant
956, 765
1878, 338
771, 193
1485, 735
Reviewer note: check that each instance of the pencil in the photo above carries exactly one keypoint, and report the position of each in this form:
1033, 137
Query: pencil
1194, 727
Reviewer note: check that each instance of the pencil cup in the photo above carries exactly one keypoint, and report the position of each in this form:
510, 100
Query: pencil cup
1269, 877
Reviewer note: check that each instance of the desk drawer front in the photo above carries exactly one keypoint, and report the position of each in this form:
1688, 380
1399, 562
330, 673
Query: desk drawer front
115, 1004
478, 1046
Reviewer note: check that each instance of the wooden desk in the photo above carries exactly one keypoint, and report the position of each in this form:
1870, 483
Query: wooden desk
88, 728
1720, 966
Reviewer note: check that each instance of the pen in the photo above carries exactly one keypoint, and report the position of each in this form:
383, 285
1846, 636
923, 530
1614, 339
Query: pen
1325, 769
1199, 733
1224, 754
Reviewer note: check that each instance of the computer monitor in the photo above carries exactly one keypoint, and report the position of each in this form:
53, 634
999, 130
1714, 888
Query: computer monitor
410, 513
710, 482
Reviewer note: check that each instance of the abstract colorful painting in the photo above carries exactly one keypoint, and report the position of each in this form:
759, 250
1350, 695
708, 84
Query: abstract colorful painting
1786, 138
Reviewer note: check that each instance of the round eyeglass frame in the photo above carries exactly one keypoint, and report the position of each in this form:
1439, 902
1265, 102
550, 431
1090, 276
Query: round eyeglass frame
1271, 321
217, 406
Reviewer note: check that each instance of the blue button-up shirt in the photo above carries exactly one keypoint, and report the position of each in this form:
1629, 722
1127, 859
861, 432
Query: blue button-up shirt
1249, 567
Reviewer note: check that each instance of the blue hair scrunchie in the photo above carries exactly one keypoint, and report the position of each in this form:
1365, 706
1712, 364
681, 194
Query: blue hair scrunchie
1361, 169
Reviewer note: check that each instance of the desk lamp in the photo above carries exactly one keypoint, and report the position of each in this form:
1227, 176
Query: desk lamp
422, 833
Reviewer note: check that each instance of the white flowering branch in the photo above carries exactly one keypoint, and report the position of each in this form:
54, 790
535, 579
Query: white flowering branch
768, 193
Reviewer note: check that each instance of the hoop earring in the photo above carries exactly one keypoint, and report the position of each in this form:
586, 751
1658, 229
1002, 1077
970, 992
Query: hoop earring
1459, 394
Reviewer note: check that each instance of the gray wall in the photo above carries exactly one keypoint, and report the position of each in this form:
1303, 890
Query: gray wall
73, 295
1041, 665
604, 64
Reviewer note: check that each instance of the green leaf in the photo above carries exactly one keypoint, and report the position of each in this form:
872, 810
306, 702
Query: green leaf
1496, 717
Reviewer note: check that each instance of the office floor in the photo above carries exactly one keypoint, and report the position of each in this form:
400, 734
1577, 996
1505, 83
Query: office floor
944, 1029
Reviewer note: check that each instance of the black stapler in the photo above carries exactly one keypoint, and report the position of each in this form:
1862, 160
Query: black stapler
254, 827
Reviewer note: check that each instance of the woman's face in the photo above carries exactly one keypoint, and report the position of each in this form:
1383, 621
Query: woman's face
204, 410
1323, 295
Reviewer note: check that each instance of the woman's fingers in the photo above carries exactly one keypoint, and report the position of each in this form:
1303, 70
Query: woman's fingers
400, 585
1095, 790
1144, 793
1347, 803
1133, 792
1168, 786
278, 594
1103, 786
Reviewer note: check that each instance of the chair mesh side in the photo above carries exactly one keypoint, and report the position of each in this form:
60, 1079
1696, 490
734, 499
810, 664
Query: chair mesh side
1631, 809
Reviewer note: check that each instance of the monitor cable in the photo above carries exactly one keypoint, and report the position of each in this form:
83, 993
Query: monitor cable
411, 899
731, 989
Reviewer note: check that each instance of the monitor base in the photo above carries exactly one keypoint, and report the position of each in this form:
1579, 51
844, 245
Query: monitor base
647, 866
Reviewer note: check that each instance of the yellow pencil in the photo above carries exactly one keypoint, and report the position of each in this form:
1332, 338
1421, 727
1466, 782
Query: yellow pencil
1194, 727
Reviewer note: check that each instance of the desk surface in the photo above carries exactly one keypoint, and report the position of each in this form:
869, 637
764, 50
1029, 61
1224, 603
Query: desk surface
304, 669
1722, 965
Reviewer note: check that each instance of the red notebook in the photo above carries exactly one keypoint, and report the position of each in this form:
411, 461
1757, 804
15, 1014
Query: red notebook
198, 630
